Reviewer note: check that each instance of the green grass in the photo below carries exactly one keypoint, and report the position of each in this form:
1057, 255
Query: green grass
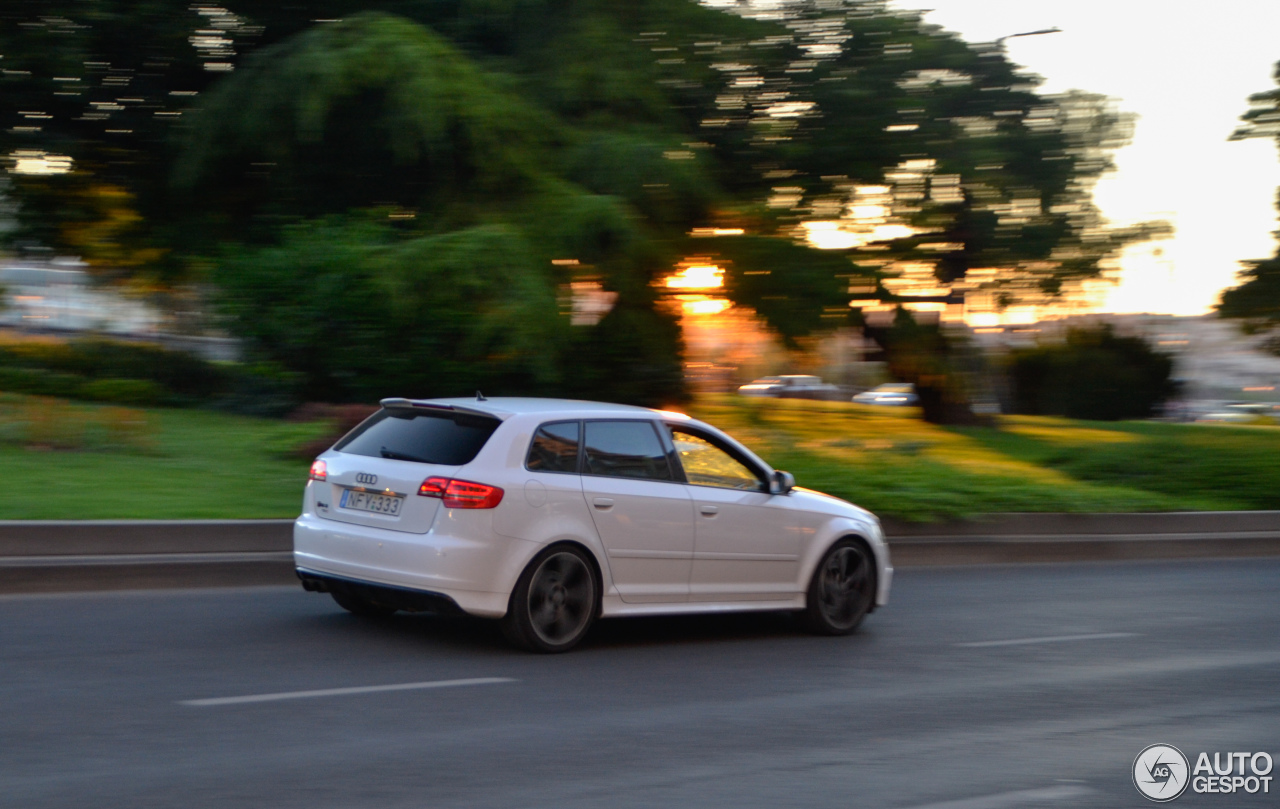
891, 462
64, 461
172, 464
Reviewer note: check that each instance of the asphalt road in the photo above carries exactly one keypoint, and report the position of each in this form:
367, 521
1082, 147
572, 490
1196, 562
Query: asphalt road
976, 688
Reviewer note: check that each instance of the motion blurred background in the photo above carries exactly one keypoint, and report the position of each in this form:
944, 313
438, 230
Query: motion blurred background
274, 210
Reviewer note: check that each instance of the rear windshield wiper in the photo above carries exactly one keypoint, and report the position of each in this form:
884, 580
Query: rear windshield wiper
400, 456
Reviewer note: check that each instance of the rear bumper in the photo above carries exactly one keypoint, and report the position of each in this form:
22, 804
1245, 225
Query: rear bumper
460, 558
402, 598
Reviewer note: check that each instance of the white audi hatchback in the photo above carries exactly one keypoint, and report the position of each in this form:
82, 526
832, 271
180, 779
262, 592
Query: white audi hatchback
548, 514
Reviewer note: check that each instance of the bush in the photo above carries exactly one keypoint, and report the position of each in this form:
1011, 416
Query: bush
41, 382
180, 372
1095, 374
124, 391
141, 374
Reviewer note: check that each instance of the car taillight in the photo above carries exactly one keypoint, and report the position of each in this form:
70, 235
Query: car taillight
319, 470
461, 493
433, 487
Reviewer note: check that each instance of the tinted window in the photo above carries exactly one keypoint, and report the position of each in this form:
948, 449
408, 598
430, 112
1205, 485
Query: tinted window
427, 437
706, 464
554, 448
626, 449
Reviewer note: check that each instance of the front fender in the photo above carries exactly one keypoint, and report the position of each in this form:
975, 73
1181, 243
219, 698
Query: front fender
836, 529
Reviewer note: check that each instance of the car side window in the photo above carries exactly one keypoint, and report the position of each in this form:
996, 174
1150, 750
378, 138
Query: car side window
554, 448
625, 449
706, 464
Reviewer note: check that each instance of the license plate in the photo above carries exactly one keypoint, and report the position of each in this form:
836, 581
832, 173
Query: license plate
388, 504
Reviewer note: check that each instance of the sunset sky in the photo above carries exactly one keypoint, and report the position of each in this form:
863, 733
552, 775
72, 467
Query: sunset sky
1187, 71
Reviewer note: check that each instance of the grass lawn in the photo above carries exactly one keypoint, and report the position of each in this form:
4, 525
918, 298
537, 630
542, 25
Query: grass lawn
83, 462
889, 461
68, 461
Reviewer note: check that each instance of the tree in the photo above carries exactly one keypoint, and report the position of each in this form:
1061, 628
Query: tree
593, 135
1256, 301
1094, 374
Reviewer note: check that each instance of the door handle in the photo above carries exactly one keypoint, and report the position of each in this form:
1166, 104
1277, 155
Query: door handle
709, 511
603, 503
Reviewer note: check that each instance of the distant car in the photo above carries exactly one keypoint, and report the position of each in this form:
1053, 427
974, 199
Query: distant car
897, 394
548, 514
1243, 413
791, 386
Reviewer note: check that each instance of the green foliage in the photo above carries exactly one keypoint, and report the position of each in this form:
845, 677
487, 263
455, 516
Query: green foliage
90, 462
504, 134
124, 391
797, 290
1255, 303
358, 309
117, 463
633, 353
888, 460
1263, 118
102, 370
404, 113
664, 181
1094, 374
945, 368
178, 372
41, 382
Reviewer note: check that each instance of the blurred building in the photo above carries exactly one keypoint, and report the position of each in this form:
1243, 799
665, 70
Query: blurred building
1214, 360
59, 297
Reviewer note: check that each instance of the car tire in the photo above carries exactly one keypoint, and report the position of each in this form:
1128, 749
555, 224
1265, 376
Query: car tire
842, 589
555, 601
356, 605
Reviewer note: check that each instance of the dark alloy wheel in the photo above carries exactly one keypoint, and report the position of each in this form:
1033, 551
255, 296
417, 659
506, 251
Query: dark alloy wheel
555, 602
363, 607
842, 589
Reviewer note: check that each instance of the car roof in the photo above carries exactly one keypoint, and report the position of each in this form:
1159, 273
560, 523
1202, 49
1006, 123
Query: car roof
506, 406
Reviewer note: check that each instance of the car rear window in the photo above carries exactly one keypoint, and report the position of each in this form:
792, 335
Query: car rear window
448, 439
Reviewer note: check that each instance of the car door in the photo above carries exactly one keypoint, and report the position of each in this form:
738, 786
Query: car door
747, 542
643, 514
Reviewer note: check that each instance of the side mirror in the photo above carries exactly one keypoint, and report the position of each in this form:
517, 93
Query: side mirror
782, 482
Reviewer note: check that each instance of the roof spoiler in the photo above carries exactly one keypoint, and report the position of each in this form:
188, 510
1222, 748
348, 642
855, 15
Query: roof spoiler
396, 402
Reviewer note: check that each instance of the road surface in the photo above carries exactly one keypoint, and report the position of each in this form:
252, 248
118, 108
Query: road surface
976, 688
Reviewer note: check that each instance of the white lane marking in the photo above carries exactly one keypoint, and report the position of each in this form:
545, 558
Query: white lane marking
1012, 799
1051, 639
337, 692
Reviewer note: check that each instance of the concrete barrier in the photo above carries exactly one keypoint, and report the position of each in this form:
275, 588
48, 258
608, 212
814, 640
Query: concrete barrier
67, 555
1016, 538
60, 556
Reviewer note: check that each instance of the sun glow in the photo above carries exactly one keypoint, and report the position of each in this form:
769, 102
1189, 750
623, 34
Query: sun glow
697, 276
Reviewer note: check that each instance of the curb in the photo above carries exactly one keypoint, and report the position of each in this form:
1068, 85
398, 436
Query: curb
70, 555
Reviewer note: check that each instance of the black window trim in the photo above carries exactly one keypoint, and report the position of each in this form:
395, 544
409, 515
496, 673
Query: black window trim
664, 441
578, 464
731, 451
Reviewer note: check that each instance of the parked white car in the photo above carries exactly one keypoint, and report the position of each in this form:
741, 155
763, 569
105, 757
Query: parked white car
548, 514
791, 386
894, 394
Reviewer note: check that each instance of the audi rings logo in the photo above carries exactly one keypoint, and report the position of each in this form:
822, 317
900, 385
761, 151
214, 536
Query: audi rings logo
1160, 772
366, 478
